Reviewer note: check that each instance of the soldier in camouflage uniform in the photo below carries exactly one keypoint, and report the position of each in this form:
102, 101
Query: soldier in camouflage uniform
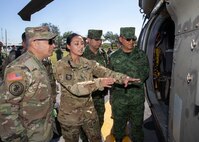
128, 103
25, 99
3, 58
75, 74
93, 51
48, 65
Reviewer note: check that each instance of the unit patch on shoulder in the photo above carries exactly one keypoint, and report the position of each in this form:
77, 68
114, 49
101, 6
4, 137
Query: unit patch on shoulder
16, 88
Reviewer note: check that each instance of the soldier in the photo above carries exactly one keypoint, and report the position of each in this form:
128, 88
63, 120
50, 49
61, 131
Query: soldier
3, 59
26, 102
12, 54
59, 53
128, 103
48, 65
93, 51
75, 74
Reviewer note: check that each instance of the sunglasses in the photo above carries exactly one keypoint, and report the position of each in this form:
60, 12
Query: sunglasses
50, 41
129, 39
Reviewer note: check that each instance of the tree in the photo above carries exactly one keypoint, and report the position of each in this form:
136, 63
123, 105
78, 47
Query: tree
65, 35
52, 27
112, 38
55, 29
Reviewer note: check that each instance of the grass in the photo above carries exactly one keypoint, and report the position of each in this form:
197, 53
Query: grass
53, 57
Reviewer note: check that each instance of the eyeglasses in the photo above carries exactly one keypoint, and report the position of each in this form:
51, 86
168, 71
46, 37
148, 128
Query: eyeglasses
50, 41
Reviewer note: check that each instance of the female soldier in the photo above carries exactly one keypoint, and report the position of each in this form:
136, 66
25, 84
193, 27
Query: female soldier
75, 74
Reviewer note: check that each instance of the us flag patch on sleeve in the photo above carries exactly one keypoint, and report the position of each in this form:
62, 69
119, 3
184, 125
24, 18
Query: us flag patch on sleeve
14, 76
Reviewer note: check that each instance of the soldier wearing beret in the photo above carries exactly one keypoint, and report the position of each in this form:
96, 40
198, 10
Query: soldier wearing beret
76, 76
25, 99
93, 51
128, 103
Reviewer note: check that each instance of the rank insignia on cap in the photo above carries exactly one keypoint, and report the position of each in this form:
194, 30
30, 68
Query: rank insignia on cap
14, 76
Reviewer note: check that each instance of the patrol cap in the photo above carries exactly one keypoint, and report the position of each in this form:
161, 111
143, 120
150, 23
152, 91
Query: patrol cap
128, 32
42, 32
95, 34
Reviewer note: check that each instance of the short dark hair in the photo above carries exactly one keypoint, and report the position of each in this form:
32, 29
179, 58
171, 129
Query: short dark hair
23, 37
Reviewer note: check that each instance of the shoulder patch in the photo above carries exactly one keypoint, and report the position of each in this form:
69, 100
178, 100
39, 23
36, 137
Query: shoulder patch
16, 88
14, 76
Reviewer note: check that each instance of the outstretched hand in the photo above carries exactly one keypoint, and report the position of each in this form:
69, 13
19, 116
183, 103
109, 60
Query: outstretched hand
129, 79
107, 82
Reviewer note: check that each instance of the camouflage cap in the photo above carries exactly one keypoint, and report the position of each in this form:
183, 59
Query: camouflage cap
42, 32
95, 34
128, 32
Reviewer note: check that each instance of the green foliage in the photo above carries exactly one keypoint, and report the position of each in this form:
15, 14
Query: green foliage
53, 57
106, 46
112, 38
65, 35
52, 27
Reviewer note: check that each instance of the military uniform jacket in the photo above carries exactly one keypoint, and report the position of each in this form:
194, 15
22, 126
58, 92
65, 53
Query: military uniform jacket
77, 86
25, 104
101, 56
3, 62
134, 64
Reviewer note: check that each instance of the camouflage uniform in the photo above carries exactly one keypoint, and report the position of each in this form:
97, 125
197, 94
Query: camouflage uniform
25, 106
56, 126
102, 58
3, 59
48, 65
76, 108
25, 98
128, 103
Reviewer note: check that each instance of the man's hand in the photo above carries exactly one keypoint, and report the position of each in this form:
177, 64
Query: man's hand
129, 79
107, 82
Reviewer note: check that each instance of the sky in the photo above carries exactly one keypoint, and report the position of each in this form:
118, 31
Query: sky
71, 15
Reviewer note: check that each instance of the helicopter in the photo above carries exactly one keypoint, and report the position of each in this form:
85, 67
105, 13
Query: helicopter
169, 36
170, 39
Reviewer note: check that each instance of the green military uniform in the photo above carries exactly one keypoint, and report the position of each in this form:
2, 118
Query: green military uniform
128, 103
25, 98
76, 107
98, 96
102, 58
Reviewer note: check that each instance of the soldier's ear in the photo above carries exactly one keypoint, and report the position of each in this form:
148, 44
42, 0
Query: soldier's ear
120, 39
88, 40
67, 47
